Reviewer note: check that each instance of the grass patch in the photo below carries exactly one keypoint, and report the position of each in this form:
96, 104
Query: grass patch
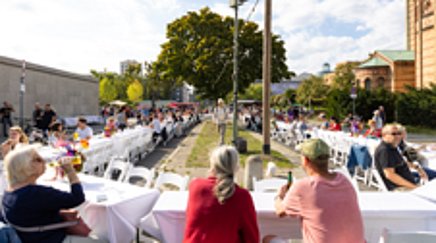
208, 140
421, 130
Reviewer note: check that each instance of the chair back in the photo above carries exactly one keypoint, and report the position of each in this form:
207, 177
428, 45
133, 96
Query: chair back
142, 173
116, 164
268, 185
174, 179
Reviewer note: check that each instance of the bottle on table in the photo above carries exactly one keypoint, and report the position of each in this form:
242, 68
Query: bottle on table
290, 179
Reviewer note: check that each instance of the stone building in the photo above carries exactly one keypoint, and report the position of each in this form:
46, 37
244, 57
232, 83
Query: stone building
392, 70
69, 93
421, 38
124, 65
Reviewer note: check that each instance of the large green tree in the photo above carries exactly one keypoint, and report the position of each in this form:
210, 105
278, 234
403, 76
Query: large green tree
199, 51
344, 75
311, 89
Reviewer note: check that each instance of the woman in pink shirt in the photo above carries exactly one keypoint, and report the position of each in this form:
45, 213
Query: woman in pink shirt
325, 202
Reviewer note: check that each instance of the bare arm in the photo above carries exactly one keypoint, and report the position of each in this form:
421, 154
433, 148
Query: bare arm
70, 171
278, 202
398, 180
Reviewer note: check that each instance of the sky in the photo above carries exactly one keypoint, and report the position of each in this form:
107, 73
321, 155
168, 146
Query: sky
79, 35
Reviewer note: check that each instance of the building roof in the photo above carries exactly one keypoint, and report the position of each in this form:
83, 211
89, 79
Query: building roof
374, 62
45, 69
398, 55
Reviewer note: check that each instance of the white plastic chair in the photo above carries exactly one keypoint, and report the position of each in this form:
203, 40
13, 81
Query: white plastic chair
140, 172
268, 185
181, 182
116, 164
407, 237
377, 181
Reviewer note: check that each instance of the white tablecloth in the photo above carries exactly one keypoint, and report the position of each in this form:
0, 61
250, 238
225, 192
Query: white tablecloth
396, 211
427, 191
112, 209
101, 149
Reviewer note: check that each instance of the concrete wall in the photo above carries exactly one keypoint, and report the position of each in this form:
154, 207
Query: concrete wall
70, 94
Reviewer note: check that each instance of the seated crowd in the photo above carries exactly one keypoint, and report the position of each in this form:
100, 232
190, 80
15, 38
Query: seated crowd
218, 209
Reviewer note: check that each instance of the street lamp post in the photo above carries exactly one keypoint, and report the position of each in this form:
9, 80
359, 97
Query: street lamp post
353, 96
22, 91
235, 4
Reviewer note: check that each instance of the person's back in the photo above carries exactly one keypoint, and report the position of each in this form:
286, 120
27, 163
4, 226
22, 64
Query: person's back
328, 209
209, 221
219, 210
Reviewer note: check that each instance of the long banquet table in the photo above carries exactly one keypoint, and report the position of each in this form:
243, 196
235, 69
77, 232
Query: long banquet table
112, 209
395, 211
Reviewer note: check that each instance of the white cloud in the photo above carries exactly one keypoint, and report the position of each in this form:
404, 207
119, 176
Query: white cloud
381, 21
80, 35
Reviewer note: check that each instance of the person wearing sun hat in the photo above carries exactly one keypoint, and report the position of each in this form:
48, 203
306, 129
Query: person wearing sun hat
325, 202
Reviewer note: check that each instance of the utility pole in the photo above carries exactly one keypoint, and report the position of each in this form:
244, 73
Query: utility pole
266, 73
22, 91
235, 4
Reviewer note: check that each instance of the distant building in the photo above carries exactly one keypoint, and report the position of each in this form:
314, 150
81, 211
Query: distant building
325, 69
293, 83
392, 70
124, 65
329, 77
421, 39
183, 93
70, 94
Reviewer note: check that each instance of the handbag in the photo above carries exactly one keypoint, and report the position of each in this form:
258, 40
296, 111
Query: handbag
79, 229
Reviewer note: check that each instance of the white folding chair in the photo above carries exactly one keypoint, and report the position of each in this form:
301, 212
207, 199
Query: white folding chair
181, 182
407, 236
268, 185
142, 173
116, 164
377, 181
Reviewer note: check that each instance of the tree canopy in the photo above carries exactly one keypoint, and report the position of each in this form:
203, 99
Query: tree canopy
311, 89
344, 75
199, 51
126, 87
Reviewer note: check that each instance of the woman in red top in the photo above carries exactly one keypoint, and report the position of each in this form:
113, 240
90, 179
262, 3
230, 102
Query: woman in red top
335, 125
218, 209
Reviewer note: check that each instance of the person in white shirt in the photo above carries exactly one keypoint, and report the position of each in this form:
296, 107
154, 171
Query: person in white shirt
83, 130
220, 118
155, 124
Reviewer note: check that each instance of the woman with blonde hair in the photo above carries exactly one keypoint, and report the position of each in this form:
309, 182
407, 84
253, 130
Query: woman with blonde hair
16, 138
34, 211
218, 209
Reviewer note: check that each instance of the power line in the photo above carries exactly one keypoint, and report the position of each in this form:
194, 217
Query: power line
250, 14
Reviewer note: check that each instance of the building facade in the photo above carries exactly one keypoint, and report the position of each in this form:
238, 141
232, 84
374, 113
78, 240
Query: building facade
421, 38
391, 70
69, 93
124, 65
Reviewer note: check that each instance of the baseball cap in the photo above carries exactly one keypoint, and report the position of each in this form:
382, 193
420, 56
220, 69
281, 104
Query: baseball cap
314, 148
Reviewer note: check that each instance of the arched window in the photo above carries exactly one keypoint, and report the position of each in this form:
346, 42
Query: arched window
368, 84
381, 82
